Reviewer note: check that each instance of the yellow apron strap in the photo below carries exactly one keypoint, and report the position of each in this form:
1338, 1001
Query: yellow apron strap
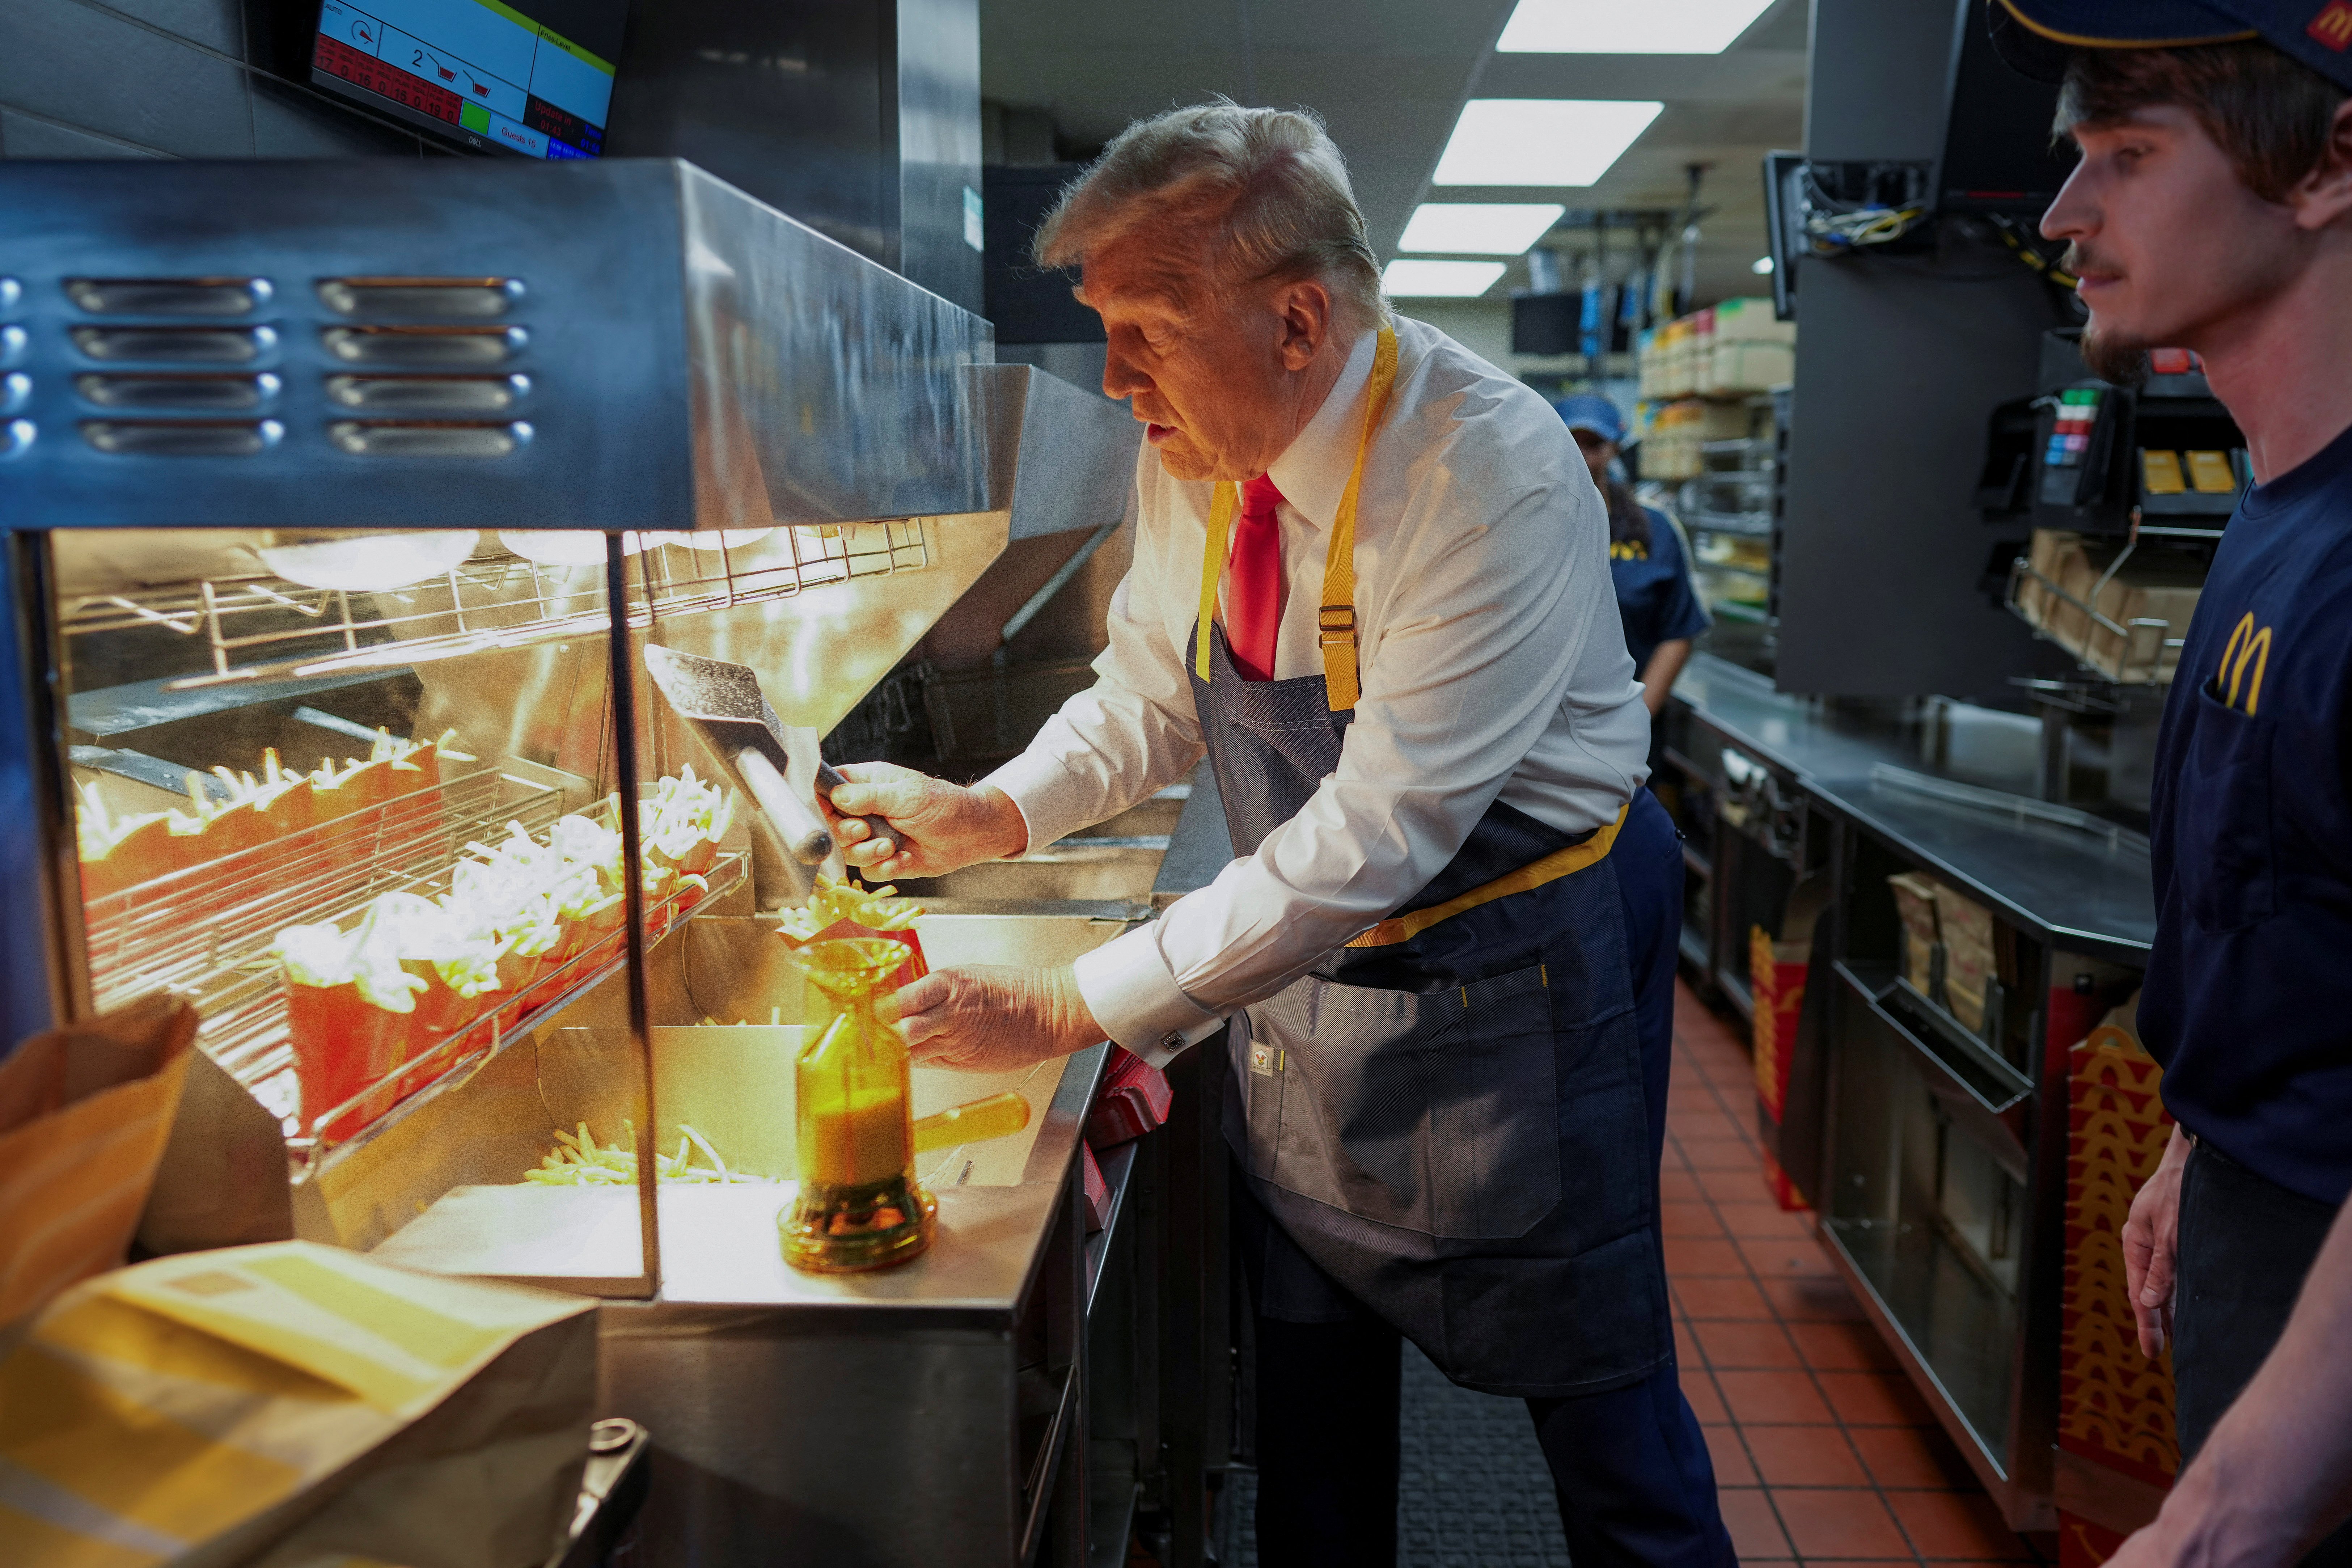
1534, 874
1212, 567
1335, 619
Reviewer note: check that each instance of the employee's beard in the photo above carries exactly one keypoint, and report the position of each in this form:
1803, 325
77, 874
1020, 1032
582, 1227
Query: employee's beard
2120, 360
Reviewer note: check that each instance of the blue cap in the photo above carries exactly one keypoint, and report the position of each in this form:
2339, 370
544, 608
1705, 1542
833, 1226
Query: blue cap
2037, 35
1591, 410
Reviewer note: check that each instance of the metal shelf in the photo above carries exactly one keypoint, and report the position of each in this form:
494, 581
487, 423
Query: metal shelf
261, 627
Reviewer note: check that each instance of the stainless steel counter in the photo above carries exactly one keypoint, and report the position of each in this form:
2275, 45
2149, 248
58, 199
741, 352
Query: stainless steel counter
2080, 885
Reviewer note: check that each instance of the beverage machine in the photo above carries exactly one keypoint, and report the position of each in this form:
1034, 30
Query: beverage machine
341, 505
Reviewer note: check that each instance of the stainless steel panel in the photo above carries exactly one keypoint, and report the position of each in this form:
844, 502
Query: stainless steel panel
825, 389
938, 146
1065, 457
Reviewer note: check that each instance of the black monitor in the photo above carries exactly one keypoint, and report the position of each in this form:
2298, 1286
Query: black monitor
1998, 154
533, 77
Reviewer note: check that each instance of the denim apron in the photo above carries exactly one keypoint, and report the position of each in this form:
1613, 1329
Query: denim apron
1447, 1117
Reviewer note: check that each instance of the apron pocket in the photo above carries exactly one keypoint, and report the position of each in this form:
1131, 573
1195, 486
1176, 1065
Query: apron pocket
1433, 1111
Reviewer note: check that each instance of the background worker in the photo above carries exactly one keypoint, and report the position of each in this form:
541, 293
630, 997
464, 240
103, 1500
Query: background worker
1370, 585
1648, 564
2211, 210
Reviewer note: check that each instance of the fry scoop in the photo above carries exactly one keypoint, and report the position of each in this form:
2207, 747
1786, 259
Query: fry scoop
722, 701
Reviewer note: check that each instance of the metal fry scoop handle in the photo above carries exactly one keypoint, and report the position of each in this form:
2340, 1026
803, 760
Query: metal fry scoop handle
723, 702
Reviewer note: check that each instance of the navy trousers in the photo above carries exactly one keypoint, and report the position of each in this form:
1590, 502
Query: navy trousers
1635, 1483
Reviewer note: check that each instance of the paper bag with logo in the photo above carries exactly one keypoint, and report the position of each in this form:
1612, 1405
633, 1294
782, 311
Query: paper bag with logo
289, 1404
84, 1113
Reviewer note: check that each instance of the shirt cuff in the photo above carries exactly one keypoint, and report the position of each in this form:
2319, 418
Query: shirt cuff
1043, 793
1133, 995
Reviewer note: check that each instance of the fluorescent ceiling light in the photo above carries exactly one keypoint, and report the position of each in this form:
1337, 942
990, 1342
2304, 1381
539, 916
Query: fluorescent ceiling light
1761, 267
1407, 278
1540, 140
1479, 229
1614, 28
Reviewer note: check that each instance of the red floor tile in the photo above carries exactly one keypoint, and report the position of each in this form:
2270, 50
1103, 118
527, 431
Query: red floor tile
1675, 1184
1914, 1458
1842, 1347
1721, 1296
1838, 1522
1685, 1217
1747, 1346
1875, 1399
1743, 1185
1732, 1468
1773, 1397
1723, 1154
1804, 1457
1687, 1349
1707, 1405
1755, 1530
1767, 1221
1706, 1125
1694, 1255
1810, 1298
1789, 1257
1956, 1527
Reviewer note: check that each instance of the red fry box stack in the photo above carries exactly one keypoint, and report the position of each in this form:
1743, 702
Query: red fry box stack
1132, 1101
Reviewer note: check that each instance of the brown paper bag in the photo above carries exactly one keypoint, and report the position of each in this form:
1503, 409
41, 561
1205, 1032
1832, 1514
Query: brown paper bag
290, 1404
84, 1113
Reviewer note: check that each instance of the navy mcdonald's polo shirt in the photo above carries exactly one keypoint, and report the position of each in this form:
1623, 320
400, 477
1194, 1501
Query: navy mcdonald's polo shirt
2249, 995
1655, 595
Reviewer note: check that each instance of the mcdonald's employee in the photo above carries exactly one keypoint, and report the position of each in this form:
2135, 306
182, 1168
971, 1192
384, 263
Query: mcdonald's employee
1647, 564
2212, 210
1371, 585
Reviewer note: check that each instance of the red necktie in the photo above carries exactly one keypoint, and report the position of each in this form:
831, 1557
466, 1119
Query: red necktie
1254, 583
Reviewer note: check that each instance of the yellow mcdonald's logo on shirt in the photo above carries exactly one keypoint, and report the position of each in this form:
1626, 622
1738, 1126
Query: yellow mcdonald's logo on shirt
2248, 652
1628, 549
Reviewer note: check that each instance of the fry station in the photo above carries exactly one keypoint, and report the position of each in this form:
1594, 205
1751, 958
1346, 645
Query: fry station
511, 925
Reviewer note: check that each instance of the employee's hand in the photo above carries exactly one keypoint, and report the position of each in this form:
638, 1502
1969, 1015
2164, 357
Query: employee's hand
991, 1017
938, 826
2151, 1236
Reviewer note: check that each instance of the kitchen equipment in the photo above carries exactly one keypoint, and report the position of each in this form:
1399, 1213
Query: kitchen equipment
722, 701
819, 460
858, 1206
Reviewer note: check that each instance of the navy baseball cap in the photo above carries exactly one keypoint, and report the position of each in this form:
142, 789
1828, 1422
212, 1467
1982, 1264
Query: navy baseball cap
2037, 35
1591, 410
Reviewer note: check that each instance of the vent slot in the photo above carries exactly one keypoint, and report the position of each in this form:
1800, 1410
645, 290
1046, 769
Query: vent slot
12, 293
15, 436
183, 437
12, 345
197, 393
176, 345
168, 296
421, 298
426, 348
428, 394
16, 388
434, 438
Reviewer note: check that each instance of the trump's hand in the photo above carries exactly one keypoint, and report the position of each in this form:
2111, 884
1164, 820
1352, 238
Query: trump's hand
987, 1017
937, 826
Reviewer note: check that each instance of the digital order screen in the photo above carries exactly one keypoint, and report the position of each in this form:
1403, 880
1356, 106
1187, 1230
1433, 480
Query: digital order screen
480, 71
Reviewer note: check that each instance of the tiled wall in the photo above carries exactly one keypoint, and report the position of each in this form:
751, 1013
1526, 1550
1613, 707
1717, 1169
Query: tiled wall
174, 78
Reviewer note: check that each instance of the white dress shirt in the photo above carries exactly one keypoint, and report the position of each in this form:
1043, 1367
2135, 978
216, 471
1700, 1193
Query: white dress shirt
1493, 662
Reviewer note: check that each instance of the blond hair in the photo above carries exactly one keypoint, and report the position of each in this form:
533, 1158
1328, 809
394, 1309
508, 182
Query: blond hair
1265, 189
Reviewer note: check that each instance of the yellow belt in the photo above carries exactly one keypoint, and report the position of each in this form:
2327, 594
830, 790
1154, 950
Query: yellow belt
1534, 874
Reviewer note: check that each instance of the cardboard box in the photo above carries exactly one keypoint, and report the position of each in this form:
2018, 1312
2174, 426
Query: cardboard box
1915, 903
